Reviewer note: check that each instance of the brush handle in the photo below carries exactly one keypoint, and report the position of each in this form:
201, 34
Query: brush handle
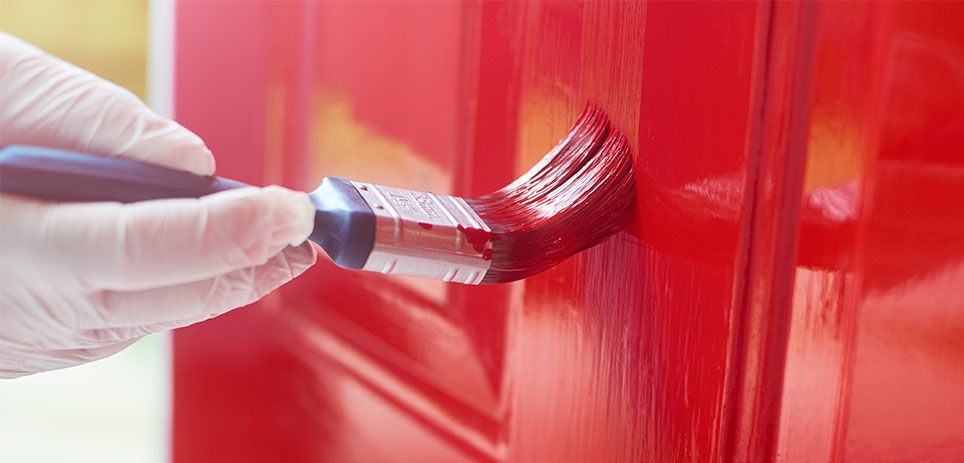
344, 224
59, 175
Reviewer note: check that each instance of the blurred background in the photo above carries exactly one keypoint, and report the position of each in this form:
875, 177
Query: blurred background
115, 409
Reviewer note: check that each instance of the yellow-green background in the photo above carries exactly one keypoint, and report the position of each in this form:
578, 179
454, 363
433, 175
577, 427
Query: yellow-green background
107, 37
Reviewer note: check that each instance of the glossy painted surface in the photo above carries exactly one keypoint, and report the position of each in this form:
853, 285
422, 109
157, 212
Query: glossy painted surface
790, 288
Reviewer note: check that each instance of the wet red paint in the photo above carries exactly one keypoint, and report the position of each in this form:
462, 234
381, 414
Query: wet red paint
788, 289
477, 237
424, 225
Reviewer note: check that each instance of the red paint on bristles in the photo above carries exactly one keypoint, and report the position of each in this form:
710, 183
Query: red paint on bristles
579, 194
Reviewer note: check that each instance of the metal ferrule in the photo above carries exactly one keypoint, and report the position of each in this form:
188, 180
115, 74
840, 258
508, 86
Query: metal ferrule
425, 235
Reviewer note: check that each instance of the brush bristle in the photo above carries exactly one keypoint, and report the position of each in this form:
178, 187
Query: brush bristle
579, 194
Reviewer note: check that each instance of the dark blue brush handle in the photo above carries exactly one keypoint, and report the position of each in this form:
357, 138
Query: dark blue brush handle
47, 173
344, 223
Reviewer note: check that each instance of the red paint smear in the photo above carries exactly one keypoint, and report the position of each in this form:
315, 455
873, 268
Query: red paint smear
424, 225
477, 237
487, 254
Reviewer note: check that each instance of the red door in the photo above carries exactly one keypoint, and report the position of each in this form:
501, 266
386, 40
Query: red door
790, 288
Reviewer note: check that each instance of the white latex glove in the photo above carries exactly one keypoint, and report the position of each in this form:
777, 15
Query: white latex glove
81, 281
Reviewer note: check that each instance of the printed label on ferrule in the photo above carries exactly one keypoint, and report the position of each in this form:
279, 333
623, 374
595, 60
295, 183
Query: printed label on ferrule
426, 235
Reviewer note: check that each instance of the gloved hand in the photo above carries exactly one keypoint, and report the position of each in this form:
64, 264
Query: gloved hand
82, 281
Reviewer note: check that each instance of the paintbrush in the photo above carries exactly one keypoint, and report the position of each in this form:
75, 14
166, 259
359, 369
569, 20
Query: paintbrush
580, 193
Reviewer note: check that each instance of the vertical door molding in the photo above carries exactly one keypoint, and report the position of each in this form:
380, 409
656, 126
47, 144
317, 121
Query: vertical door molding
764, 272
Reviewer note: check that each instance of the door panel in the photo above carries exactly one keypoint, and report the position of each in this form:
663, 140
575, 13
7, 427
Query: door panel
907, 396
793, 246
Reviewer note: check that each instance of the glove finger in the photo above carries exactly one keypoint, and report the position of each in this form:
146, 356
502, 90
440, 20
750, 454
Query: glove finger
49, 102
29, 363
153, 243
134, 314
